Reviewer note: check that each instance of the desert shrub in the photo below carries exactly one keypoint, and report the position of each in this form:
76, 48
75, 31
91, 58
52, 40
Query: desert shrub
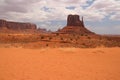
89, 37
73, 35
61, 38
50, 38
83, 44
42, 37
71, 39
82, 34
46, 44
9, 35
76, 39
100, 38
57, 34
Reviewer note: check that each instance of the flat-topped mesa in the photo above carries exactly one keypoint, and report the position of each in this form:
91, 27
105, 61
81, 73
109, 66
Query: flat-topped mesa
2, 23
74, 20
16, 25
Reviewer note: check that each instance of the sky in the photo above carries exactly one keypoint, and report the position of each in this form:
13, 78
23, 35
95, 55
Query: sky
100, 16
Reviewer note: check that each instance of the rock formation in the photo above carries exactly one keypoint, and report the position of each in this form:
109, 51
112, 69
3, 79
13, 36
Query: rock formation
16, 25
74, 25
73, 20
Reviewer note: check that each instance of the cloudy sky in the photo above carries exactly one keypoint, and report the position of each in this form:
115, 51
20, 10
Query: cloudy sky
100, 16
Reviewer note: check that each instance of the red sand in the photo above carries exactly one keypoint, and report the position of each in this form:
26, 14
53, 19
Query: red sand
60, 64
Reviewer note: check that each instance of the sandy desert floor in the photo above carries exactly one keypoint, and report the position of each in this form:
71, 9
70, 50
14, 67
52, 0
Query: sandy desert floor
60, 64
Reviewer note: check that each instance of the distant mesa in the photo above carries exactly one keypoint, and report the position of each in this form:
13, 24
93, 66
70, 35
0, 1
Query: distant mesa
74, 25
16, 25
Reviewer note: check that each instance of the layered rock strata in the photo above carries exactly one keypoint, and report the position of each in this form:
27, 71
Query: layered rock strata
16, 25
74, 25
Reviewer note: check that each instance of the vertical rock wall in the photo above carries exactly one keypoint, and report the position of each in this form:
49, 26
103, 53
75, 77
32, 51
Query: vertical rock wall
74, 20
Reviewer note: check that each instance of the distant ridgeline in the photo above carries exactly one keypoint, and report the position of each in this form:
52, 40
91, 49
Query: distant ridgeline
16, 25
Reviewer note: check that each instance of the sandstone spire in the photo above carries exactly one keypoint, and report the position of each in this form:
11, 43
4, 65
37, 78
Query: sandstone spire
82, 22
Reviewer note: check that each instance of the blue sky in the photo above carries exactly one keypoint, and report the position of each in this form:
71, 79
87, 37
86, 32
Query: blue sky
100, 16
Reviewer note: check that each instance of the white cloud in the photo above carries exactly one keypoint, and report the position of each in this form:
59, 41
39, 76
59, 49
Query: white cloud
115, 16
32, 9
102, 8
46, 10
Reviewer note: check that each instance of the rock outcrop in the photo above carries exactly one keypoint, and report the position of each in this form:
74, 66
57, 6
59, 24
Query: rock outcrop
16, 25
74, 25
74, 20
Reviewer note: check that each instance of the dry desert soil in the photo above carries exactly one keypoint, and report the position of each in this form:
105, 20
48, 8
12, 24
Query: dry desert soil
60, 64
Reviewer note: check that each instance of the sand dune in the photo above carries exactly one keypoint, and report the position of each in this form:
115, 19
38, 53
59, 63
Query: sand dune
60, 64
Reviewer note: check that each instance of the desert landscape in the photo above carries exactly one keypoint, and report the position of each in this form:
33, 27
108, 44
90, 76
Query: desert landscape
60, 64
71, 53
74, 34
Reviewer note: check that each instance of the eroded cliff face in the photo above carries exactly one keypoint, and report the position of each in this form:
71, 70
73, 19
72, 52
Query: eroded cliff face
74, 25
16, 25
2, 24
74, 20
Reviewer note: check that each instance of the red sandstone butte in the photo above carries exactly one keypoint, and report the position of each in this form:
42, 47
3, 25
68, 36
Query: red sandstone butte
74, 25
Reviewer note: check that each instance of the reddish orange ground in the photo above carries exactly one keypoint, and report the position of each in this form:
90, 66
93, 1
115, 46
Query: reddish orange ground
60, 64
